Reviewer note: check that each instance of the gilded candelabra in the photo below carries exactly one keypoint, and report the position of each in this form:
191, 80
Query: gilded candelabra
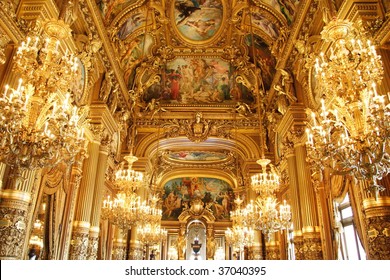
40, 126
350, 134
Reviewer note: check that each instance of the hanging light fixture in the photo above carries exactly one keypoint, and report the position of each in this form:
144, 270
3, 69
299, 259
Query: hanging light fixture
241, 234
40, 126
350, 134
127, 177
267, 218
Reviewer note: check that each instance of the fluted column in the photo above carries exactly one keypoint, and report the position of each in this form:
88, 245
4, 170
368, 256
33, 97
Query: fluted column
135, 248
310, 226
119, 245
14, 208
74, 184
97, 200
2, 171
82, 223
294, 196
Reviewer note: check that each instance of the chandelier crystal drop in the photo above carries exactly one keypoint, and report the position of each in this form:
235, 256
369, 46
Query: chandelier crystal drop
350, 133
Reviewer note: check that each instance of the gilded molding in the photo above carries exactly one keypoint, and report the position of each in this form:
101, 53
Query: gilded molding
312, 246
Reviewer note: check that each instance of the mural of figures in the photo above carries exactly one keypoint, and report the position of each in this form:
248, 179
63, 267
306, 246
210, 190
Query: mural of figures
215, 193
133, 53
197, 156
132, 23
111, 8
263, 23
200, 81
286, 7
264, 59
198, 20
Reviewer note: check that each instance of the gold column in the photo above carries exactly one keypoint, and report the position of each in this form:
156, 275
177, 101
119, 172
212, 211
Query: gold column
119, 245
294, 195
14, 211
135, 248
74, 184
256, 250
81, 223
2, 172
310, 230
272, 249
377, 220
97, 200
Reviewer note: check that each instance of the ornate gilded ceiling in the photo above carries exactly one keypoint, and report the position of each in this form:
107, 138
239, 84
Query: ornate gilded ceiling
196, 52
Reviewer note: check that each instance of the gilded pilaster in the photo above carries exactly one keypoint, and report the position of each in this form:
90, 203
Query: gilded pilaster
256, 250
82, 217
288, 151
75, 179
118, 246
97, 199
135, 250
310, 229
2, 171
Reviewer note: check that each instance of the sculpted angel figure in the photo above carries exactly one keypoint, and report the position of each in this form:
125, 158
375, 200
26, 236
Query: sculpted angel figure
154, 107
243, 109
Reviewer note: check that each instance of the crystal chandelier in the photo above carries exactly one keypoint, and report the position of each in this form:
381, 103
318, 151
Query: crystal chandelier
127, 177
350, 134
267, 218
40, 126
40, 60
241, 234
123, 210
151, 233
265, 182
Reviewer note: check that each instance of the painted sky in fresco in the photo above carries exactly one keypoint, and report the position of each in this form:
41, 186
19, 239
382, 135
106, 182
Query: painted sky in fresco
179, 192
198, 20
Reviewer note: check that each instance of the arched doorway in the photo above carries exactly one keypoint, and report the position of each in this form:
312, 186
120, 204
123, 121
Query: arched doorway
196, 240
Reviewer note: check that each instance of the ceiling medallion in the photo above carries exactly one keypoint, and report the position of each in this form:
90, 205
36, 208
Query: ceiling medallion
198, 130
198, 21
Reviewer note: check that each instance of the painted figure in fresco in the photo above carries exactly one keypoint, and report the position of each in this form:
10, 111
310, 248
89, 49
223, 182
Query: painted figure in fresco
186, 8
174, 77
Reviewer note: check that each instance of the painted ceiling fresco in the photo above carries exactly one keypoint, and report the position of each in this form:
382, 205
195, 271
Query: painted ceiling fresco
187, 77
197, 156
215, 193
198, 20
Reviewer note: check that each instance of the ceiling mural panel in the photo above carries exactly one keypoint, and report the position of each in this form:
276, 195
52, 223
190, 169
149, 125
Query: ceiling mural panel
287, 8
264, 59
199, 81
197, 156
215, 193
111, 8
198, 20
134, 22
